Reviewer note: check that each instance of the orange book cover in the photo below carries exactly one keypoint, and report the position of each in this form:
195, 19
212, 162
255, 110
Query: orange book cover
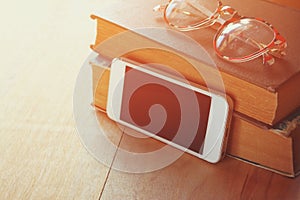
265, 93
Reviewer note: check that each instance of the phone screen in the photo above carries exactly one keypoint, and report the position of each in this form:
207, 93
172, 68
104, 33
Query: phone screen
160, 107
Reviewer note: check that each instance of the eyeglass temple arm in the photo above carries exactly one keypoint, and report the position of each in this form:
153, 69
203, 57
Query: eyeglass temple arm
267, 56
279, 47
161, 8
277, 50
202, 9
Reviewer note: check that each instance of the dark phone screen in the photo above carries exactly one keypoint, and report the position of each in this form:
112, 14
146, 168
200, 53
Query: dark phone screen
168, 110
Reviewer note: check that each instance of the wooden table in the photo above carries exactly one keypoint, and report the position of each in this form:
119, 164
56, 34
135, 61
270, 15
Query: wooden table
43, 45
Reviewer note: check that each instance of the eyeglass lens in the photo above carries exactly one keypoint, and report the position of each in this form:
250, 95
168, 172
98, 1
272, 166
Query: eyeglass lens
243, 37
236, 40
186, 13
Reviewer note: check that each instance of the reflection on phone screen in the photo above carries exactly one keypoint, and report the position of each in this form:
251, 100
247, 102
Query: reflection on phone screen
165, 109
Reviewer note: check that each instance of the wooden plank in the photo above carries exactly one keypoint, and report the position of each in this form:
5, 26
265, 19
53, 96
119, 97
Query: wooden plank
42, 49
41, 154
191, 178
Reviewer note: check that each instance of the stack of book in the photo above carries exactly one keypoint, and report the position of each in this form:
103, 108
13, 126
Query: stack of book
265, 129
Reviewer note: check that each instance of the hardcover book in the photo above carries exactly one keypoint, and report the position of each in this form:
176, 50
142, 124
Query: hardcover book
275, 148
265, 93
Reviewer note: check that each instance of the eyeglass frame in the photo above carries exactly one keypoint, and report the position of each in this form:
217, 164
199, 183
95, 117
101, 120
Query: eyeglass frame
275, 48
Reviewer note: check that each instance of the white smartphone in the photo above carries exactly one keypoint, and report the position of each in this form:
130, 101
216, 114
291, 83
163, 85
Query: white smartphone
169, 109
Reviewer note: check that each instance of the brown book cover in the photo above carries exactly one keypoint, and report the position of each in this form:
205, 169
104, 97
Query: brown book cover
274, 148
265, 93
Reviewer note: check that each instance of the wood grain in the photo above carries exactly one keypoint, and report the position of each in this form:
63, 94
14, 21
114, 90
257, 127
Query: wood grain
43, 45
42, 50
191, 178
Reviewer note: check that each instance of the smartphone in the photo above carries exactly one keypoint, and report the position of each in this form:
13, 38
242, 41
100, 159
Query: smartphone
169, 108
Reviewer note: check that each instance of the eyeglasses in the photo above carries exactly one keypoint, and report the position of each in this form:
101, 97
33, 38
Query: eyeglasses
238, 39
